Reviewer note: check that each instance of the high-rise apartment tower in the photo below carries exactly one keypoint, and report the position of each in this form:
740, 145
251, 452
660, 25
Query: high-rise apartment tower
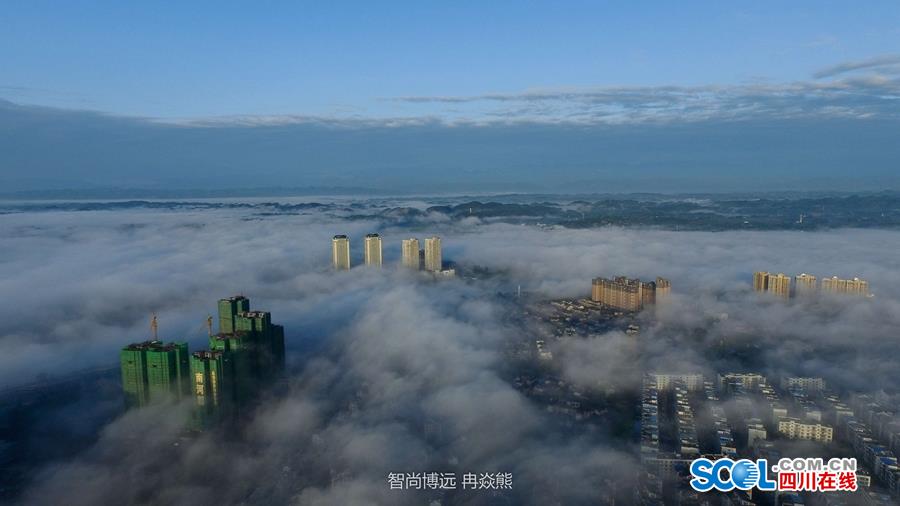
760, 281
855, 286
663, 288
779, 284
433, 259
804, 284
153, 371
340, 252
410, 257
373, 250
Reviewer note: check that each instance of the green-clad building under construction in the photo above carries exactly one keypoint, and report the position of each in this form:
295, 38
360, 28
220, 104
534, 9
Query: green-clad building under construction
245, 357
154, 371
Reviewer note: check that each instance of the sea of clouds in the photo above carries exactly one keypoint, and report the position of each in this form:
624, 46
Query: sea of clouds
393, 372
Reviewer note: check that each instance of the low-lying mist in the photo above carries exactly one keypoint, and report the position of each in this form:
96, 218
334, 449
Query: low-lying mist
393, 372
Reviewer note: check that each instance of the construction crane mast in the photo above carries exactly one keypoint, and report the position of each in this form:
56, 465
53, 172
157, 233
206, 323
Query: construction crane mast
154, 327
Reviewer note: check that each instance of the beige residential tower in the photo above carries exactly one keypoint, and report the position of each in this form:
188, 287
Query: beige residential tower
373, 250
433, 260
340, 252
410, 253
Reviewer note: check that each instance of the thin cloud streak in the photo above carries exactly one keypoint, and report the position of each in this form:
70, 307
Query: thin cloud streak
867, 96
861, 96
889, 63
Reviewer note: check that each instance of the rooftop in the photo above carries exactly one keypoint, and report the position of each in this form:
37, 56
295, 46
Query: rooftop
254, 314
618, 280
231, 335
207, 354
151, 345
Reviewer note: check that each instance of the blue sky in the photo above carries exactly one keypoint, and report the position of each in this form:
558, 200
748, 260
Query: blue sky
200, 59
440, 96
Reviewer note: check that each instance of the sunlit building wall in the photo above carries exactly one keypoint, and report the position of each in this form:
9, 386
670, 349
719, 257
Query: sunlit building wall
410, 253
779, 284
854, 286
805, 284
373, 250
433, 260
340, 252
620, 293
793, 428
760, 281
663, 288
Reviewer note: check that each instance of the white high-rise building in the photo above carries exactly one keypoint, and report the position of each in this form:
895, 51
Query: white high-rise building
433, 260
373, 250
410, 256
340, 252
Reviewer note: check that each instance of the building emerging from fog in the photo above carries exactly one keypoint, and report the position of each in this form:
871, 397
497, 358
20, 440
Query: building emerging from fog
620, 293
340, 252
853, 286
779, 284
692, 382
809, 384
154, 371
663, 288
433, 260
212, 380
760, 281
806, 284
410, 253
229, 308
430, 259
372, 250
729, 382
245, 357
628, 294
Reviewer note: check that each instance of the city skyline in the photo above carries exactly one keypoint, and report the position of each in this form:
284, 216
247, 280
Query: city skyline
108, 270
806, 285
429, 259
